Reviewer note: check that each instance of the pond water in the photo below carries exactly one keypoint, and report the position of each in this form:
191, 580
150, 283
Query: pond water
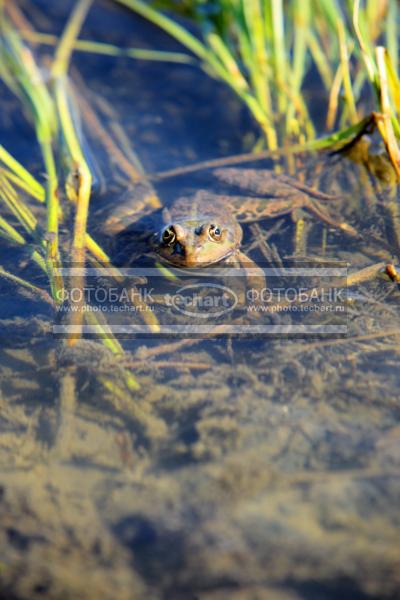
262, 468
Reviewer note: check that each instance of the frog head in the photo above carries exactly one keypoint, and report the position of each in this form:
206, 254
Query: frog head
189, 243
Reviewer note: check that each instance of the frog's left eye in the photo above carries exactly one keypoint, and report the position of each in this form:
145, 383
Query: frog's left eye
169, 236
215, 232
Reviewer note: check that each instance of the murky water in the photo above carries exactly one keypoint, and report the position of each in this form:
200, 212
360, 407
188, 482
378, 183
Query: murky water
241, 468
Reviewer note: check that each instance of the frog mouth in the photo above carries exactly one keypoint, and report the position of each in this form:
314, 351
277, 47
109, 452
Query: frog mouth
179, 259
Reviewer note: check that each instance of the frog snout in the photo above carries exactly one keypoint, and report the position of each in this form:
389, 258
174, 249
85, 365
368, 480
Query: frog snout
195, 255
179, 232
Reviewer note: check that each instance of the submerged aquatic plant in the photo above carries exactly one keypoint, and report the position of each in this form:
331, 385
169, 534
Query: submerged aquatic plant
265, 49
48, 105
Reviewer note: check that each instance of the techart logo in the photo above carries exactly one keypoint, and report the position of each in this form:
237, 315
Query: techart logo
203, 300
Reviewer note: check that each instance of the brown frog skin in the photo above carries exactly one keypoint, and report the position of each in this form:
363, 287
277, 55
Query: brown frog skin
204, 229
197, 231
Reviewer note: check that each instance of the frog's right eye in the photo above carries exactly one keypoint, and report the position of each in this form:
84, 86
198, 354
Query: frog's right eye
169, 236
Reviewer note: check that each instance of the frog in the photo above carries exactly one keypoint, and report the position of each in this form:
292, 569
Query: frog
205, 228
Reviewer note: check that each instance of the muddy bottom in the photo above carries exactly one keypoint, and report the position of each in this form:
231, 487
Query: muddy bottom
235, 474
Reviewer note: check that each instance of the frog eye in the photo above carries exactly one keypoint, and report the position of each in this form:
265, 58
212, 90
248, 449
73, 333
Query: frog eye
169, 236
215, 232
